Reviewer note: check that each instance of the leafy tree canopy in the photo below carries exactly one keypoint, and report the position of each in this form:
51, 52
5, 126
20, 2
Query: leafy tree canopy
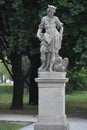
20, 20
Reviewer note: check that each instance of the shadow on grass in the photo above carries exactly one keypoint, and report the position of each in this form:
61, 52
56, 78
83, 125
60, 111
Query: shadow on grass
6, 100
76, 103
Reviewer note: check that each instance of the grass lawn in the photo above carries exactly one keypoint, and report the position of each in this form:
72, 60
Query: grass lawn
6, 99
10, 126
76, 102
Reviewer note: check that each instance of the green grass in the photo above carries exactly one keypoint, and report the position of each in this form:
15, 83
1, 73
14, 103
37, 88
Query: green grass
78, 96
10, 126
76, 102
6, 100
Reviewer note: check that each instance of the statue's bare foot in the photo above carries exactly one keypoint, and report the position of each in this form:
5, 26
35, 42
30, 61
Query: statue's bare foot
41, 69
50, 70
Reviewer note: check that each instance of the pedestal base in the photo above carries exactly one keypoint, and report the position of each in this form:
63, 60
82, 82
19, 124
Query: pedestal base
49, 126
51, 114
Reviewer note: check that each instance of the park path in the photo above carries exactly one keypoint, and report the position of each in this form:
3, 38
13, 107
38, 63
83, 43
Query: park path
75, 123
31, 118
18, 118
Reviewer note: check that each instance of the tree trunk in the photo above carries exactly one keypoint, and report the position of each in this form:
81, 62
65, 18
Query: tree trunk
33, 89
17, 102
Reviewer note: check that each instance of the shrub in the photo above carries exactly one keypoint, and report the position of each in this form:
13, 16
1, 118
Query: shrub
77, 80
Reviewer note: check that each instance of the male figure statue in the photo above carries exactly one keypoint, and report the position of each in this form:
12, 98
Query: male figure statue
51, 38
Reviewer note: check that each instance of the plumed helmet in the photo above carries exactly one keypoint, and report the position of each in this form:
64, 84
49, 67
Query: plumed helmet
51, 8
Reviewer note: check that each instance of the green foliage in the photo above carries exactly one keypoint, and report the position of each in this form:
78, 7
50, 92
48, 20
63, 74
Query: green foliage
2, 1
77, 80
24, 17
25, 64
73, 15
21, 24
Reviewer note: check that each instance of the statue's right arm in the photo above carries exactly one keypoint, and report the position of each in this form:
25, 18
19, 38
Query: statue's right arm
40, 29
39, 32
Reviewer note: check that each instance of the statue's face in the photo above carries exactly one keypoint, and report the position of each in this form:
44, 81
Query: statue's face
51, 13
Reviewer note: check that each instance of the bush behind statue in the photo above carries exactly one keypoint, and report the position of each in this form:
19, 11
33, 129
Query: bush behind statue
77, 80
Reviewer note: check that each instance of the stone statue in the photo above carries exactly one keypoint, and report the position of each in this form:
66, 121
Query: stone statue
50, 34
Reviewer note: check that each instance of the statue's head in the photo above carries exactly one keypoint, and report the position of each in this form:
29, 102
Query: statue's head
51, 10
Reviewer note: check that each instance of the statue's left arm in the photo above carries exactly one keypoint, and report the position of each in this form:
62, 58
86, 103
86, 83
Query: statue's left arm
61, 31
59, 26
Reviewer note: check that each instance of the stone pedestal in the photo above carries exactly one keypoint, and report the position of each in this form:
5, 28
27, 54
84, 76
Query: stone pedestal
51, 115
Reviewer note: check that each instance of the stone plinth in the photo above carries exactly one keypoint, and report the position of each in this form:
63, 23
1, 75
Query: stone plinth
51, 101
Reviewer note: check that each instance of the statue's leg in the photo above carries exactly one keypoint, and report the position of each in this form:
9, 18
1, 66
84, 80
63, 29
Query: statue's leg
52, 60
47, 61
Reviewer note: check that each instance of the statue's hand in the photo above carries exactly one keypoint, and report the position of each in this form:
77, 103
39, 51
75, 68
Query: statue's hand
40, 36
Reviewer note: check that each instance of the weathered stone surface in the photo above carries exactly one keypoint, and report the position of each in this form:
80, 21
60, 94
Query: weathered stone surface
51, 75
51, 41
51, 113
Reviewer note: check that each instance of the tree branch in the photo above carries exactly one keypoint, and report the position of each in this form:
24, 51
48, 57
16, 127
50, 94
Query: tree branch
7, 68
2, 42
7, 61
